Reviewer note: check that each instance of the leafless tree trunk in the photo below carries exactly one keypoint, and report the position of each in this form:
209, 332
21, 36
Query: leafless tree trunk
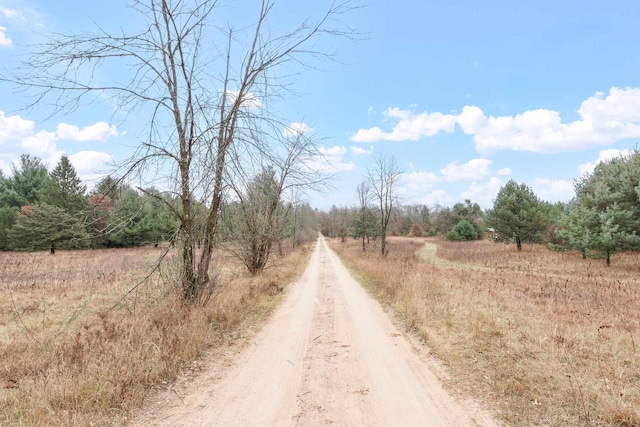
384, 176
363, 190
201, 98
262, 212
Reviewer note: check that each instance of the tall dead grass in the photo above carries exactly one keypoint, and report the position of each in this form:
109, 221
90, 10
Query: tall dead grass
69, 357
545, 338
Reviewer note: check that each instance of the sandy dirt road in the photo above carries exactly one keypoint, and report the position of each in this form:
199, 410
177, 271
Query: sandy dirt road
328, 356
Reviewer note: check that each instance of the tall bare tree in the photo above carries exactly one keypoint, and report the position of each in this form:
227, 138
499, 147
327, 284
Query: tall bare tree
262, 215
384, 176
201, 89
363, 191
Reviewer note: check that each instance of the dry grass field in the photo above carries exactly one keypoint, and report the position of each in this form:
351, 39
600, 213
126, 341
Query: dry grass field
544, 338
69, 355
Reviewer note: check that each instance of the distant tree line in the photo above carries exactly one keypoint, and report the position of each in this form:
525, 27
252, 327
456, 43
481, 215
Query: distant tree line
602, 219
49, 210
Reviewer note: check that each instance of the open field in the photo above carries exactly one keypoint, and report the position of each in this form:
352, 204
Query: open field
70, 356
542, 337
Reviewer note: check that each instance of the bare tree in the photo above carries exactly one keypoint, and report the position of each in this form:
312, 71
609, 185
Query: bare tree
384, 176
261, 214
201, 97
363, 191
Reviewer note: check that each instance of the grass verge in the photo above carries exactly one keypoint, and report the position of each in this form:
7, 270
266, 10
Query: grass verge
67, 357
543, 338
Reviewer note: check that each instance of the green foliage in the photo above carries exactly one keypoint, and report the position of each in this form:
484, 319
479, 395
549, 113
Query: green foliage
46, 227
257, 220
517, 214
139, 220
365, 225
463, 231
7, 219
604, 218
64, 188
28, 180
472, 213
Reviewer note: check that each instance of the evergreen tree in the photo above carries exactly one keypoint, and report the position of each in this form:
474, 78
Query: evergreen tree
516, 214
64, 188
45, 226
28, 180
463, 230
604, 218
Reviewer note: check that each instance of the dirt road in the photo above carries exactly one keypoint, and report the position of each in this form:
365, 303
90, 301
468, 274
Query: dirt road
329, 355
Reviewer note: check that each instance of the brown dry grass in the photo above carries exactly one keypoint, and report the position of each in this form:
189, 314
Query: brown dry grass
545, 338
67, 358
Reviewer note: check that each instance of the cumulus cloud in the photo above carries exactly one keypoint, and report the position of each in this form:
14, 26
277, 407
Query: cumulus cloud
4, 39
603, 120
296, 129
249, 100
416, 183
90, 164
437, 197
551, 190
473, 170
603, 156
19, 135
359, 151
99, 131
504, 172
330, 160
409, 126
483, 193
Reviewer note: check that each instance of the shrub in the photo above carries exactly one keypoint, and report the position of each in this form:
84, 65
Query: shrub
463, 230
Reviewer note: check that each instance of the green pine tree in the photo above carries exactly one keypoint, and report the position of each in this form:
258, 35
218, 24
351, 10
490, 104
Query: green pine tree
517, 214
45, 226
65, 189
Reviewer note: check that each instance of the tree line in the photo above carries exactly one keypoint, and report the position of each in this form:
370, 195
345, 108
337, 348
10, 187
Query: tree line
42, 209
602, 219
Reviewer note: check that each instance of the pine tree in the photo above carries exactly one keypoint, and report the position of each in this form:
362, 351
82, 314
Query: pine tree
45, 226
517, 214
65, 189
28, 180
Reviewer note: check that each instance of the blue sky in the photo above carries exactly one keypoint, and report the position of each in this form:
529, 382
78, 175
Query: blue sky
465, 94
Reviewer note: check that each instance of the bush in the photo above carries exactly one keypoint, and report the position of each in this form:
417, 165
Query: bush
463, 230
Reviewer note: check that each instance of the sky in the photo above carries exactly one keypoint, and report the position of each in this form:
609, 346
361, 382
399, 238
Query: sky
465, 94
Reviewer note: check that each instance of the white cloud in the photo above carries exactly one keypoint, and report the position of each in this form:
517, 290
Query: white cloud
437, 197
504, 172
296, 129
4, 39
603, 156
604, 120
416, 183
90, 164
249, 100
409, 127
19, 135
10, 13
370, 109
483, 193
359, 151
330, 160
14, 128
41, 144
471, 171
99, 131
552, 190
